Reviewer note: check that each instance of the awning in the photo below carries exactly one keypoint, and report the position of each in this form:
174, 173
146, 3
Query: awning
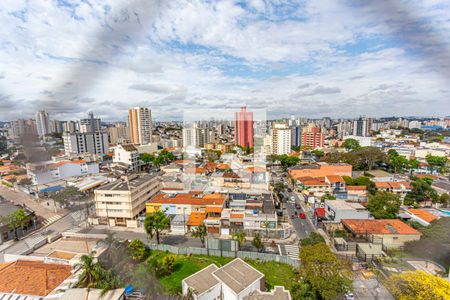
51, 189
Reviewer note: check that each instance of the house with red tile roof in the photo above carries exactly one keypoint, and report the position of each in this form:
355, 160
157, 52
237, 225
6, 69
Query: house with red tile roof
392, 233
421, 216
31, 278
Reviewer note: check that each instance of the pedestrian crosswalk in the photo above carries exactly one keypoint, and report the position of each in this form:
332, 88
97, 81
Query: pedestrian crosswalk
51, 220
291, 251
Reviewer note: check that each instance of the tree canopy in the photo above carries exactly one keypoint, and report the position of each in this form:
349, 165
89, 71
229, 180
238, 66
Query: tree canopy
328, 276
437, 163
421, 191
364, 158
384, 205
155, 223
418, 285
351, 144
15, 220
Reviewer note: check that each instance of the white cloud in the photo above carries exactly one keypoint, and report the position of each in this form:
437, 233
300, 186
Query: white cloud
312, 59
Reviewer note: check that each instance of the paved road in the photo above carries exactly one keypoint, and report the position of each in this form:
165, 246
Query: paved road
22, 198
303, 227
370, 289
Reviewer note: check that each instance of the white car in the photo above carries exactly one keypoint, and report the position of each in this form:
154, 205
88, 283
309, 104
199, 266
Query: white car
292, 198
349, 296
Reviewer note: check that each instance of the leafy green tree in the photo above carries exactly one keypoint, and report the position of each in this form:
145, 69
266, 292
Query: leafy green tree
328, 276
351, 144
421, 191
146, 158
312, 239
239, 237
303, 290
200, 232
413, 164
138, 250
296, 148
257, 242
437, 162
287, 161
398, 163
384, 205
366, 157
272, 158
155, 223
362, 181
318, 153
444, 199
15, 220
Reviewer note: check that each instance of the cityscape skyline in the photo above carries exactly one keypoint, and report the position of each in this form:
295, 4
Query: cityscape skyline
176, 56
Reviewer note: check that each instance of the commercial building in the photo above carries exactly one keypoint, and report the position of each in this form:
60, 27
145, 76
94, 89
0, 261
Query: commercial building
86, 142
336, 210
320, 170
281, 139
121, 202
42, 123
140, 124
50, 171
243, 128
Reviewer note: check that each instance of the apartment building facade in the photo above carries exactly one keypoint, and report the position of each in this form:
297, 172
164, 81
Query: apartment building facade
140, 124
86, 142
122, 202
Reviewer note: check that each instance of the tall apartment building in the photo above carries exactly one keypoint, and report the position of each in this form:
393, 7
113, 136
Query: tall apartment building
69, 126
281, 139
90, 124
42, 123
313, 137
121, 202
118, 134
140, 124
56, 126
194, 136
23, 128
86, 142
243, 128
296, 135
362, 126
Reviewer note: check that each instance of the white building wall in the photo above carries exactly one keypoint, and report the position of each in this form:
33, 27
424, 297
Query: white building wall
255, 286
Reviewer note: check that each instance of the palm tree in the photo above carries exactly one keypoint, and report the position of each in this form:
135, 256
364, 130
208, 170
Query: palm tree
91, 272
200, 232
239, 237
154, 223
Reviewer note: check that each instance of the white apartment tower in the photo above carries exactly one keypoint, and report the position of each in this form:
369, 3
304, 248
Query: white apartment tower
140, 123
42, 123
281, 139
86, 142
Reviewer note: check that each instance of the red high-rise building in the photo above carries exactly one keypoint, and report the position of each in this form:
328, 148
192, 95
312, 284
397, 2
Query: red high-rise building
313, 138
243, 128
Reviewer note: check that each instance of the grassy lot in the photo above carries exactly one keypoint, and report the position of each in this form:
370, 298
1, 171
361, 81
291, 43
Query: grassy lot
275, 273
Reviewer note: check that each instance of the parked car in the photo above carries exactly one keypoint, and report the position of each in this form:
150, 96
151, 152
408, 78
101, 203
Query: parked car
349, 296
292, 198
302, 215
292, 216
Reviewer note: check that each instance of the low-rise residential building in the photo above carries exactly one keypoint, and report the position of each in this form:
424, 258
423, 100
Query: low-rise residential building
50, 171
400, 188
189, 208
336, 210
357, 193
420, 216
392, 233
121, 202
236, 280
126, 155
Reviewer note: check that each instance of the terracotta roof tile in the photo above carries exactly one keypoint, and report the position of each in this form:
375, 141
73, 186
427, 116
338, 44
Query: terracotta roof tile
196, 218
423, 214
32, 277
393, 226
193, 198
356, 187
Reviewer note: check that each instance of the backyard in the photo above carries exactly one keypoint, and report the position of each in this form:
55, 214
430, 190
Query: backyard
184, 266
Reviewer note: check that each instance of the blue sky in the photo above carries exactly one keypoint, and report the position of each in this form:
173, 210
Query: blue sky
308, 58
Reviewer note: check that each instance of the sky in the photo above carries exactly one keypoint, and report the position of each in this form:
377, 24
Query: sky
305, 58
